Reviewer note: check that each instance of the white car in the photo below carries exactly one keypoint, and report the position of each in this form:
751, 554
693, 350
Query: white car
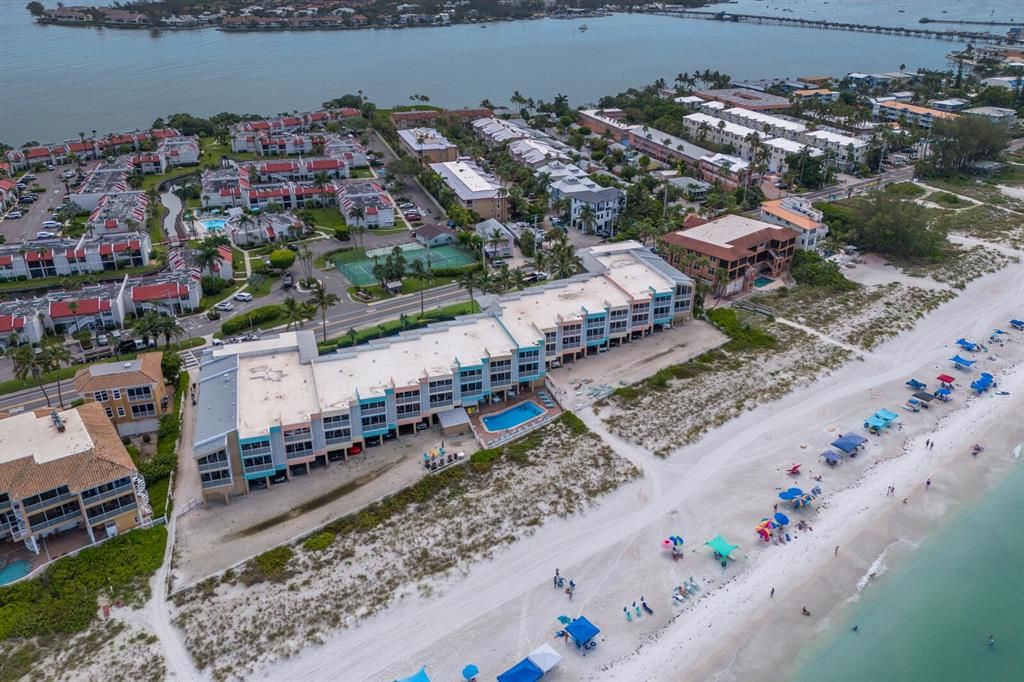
69, 174
244, 296
51, 224
45, 235
14, 215
224, 305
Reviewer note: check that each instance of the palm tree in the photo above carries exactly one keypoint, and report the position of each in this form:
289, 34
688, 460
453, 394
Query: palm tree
321, 180
169, 328
358, 232
540, 259
358, 213
54, 355
321, 300
517, 280
148, 326
469, 281
294, 313
30, 365
421, 272
73, 307
495, 240
352, 335
587, 218
306, 259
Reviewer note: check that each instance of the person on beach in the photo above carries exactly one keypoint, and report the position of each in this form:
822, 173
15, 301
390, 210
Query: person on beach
837, 551
554, 580
772, 595
804, 611
856, 628
927, 443
928, 484
991, 640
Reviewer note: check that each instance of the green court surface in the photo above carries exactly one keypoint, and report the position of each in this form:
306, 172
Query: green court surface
360, 272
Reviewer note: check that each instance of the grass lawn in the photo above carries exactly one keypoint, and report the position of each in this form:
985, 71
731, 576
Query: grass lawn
362, 173
392, 327
209, 301
238, 262
151, 181
212, 151
328, 218
410, 285
265, 287
350, 255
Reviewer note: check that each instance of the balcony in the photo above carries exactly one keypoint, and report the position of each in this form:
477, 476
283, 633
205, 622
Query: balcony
50, 502
112, 513
217, 483
120, 490
75, 515
213, 466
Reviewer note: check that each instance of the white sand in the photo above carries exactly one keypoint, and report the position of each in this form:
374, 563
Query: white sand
723, 484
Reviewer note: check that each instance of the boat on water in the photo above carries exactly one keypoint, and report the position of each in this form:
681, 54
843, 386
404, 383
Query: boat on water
584, 27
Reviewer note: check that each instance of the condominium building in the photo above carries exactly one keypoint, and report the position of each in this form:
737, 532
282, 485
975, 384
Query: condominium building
662, 147
994, 114
498, 240
105, 178
771, 126
65, 472
365, 204
815, 94
274, 406
38, 258
132, 393
497, 131
178, 151
420, 117
722, 169
118, 212
592, 208
298, 170
746, 98
609, 122
427, 145
474, 189
799, 215
843, 150
718, 131
779, 149
732, 252
909, 114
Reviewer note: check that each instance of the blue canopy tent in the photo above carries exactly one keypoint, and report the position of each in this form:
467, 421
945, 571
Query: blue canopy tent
523, 671
983, 383
967, 345
582, 631
849, 443
943, 394
1017, 324
831, 457
961, 363
880, 420
915, 384
418, 676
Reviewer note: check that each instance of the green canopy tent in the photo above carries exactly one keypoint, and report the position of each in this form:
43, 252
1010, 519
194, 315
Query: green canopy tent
723, 548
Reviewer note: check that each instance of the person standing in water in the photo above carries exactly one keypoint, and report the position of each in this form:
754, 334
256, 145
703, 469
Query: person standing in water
991, 640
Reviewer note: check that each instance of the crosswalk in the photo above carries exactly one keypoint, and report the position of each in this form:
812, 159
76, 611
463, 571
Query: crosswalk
190, 358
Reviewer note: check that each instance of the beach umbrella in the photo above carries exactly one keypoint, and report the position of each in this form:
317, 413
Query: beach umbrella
790, 494
470, 671
781, 519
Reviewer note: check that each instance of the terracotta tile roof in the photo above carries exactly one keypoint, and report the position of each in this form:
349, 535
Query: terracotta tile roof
86, 306
147, 372
776, 209
157, 292
107, 460
9, 323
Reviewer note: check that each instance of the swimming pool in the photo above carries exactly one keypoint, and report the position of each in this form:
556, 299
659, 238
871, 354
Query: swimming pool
512, 417
14, 570
763, 281
213, 223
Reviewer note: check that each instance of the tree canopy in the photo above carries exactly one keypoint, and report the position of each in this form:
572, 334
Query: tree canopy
957, 143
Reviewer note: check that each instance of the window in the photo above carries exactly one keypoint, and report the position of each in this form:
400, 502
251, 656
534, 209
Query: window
117, 394
258, 462
214, 479
550, 342
298, 449
374, 420
571, 335
440, 392
338, 435
299, 434
120, 411
256, 447
140, 393
110, 413
217, 460
101, 396
54, 515
47, 497
106, 488
139, 411
111, 508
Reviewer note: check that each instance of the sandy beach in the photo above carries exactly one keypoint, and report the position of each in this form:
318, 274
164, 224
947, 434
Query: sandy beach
725, 483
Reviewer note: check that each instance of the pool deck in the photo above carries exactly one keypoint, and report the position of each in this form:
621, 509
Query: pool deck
51, 548
490, 439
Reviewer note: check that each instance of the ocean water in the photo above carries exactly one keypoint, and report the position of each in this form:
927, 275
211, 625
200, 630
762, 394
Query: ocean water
929, 621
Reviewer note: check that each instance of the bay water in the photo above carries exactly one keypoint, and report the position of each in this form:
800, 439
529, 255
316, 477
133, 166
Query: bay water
929, 620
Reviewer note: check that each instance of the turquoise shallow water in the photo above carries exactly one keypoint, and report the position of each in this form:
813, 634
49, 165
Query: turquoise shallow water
931, 621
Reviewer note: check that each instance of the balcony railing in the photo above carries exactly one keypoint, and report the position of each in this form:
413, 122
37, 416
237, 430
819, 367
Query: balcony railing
120, 490
77, 514
50, 502
213, 466
218, 483
112, 513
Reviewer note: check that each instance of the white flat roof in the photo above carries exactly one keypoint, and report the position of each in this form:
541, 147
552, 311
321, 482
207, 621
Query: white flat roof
792, 146
841, 140
728, 228
633, 275
730, 127
528, 316
274, 389
26, 435
776, 121
423, 139
466, 180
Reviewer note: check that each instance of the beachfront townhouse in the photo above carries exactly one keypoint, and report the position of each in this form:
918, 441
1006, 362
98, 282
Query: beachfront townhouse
427, 145
732, 253
592, 208
474, 189
65, 473
38, 258
799, 215
132, 392
275, 407
497, 131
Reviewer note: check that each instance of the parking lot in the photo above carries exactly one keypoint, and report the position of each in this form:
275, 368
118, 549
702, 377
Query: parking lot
35, 214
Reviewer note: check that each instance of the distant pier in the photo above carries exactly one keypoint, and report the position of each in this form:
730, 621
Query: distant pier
904, 31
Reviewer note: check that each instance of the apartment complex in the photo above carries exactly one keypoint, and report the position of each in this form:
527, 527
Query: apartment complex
731, 252
119, 212
592, 208
799, 215
63, 472
90, 149
38, 258
132, 393
427, 145
728, 171
475, 189
273, 406
420, 117
909, 114
365, 204
753, 100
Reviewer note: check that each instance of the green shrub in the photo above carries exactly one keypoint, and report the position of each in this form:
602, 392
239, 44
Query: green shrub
63, 599
319, 542
455, 272
905, 189
212, 285
282, 259
271, 565
254, 317
741, 336
946, 198
811, 269
341, 234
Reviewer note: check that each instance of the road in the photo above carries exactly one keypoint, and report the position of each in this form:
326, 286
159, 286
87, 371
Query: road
20, 229
845, 191
355, 316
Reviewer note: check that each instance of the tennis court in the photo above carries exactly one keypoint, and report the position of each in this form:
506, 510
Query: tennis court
360, 272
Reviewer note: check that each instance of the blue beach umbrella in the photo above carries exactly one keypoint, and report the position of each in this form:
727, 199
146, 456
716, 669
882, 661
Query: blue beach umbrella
470, 671
781, 519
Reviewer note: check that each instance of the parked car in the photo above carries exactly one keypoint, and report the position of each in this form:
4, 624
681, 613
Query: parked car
102, 340
212, 314
50, 167
21, 186
43, 234
422, 426
28, 178
69, 174
14, 215
287, 280
225, 306
51, 224
244, 296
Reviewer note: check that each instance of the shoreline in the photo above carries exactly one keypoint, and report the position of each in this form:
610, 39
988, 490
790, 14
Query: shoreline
722, 484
